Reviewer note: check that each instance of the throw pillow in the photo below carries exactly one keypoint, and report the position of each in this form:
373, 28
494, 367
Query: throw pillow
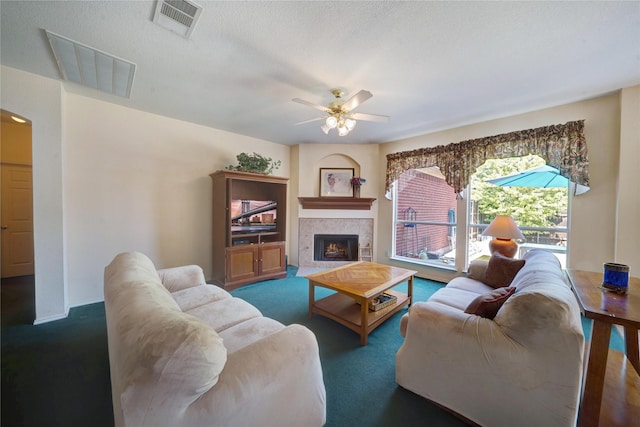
477, 269
501, 270
487, 305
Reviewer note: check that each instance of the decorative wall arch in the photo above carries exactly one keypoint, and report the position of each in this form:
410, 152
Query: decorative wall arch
345, 159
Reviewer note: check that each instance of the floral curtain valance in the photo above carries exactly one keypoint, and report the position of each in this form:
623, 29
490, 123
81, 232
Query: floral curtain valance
561, 146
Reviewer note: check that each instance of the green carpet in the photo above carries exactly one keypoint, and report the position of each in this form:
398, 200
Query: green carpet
360, 381
57, 374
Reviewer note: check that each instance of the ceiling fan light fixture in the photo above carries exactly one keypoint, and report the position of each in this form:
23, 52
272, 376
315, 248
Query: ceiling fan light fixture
339, 114
350, 124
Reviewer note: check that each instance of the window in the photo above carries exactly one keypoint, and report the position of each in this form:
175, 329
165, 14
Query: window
541, 213
424, 218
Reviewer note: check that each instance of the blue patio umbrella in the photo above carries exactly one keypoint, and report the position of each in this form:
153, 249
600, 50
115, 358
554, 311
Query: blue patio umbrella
544, 176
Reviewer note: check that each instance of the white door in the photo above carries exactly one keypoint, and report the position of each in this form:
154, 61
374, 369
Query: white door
17, 220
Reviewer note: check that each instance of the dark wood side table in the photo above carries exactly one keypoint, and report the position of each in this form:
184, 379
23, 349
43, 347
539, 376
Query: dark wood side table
606, 309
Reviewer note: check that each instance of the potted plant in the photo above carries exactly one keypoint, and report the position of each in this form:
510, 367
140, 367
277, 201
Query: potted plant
254, 163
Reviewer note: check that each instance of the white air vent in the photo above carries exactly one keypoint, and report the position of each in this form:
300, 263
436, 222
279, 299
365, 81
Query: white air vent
87, 66
179, 16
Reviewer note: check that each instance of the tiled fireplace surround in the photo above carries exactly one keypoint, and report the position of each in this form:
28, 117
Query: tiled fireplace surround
363, 227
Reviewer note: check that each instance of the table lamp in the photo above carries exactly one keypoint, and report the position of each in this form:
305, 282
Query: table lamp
504, 229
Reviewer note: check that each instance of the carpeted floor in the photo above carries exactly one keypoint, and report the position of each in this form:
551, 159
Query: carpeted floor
360, 381
57, 374
305, 271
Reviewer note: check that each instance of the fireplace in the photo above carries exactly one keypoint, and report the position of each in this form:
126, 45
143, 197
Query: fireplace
335, 247
309, 227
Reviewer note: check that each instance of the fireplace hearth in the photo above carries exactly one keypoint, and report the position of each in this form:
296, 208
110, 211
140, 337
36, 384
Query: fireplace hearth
335, 247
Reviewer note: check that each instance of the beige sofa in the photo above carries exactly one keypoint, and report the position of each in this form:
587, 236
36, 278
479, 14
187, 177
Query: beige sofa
184, 353
521, 368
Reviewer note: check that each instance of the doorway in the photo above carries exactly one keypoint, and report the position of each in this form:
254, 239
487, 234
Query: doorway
16, 219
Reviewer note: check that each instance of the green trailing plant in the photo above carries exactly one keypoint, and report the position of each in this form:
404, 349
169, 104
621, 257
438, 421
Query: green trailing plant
254, 163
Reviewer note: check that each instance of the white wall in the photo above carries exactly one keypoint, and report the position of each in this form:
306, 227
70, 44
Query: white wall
593, 214
40, 100
627, 249
138, 181
110, 179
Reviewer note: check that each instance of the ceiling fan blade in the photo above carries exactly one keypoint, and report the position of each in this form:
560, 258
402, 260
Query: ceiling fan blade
310, 104
370, 117
311, 120
356, 100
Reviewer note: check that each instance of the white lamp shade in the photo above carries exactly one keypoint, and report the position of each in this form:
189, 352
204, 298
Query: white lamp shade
331, 122
503, 227
350, 124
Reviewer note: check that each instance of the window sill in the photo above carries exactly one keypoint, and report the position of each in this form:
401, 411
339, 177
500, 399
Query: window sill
451, 266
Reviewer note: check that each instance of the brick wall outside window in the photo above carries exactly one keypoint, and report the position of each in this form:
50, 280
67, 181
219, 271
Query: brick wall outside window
433, 200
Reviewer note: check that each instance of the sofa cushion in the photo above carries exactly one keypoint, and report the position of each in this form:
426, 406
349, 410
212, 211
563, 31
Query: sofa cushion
454, 297
477, 269
244, 333
178, 278
196, 296
469, 285
487, 305
501, 270
225, 313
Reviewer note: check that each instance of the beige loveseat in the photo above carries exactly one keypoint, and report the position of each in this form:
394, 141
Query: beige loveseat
521, 368
184, 353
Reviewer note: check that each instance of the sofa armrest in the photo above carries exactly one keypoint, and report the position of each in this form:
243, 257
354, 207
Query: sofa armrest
462, 361
276, 378
178, 278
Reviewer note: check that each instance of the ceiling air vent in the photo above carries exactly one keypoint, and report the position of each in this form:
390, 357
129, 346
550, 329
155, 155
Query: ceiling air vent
91, 67
179, 16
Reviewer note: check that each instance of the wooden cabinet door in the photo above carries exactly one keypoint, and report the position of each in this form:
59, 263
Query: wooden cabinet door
242, 263
272, 258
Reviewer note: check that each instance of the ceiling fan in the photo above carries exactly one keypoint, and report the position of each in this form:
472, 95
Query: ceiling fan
340, 113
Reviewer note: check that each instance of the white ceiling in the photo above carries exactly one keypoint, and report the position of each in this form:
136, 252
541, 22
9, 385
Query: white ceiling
429, 65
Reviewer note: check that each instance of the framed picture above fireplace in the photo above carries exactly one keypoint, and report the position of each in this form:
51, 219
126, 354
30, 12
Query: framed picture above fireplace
336, 182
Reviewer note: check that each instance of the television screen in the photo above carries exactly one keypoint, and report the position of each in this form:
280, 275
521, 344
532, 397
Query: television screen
253, 212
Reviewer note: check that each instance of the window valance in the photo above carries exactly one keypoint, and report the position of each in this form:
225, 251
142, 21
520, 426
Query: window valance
561, 146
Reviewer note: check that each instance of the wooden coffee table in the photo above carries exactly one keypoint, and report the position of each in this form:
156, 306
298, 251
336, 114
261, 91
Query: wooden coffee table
356, 285
610, 395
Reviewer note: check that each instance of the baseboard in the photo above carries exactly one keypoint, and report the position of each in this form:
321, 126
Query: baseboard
47, 319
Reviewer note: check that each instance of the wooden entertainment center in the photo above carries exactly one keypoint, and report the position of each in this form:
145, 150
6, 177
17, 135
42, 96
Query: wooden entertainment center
249, 227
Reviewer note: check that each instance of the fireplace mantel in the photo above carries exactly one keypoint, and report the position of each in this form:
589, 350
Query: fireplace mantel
351, 203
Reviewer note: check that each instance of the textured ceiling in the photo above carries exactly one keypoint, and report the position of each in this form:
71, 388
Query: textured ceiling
429, 65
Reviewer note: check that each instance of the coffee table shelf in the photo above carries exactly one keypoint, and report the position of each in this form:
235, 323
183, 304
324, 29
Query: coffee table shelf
347, 311
356, 285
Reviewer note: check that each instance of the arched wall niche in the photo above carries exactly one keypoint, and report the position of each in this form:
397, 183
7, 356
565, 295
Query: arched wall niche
335, 160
